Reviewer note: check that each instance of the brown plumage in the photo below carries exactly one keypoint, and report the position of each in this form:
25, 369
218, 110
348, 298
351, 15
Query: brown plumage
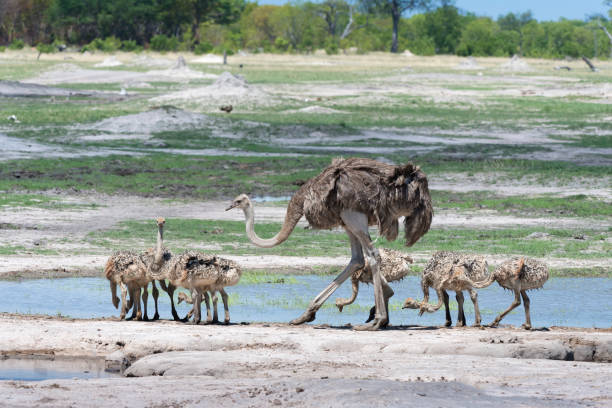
203, 273
518, 275
226, 108
448, 270
382, 191
128, 269
354, 193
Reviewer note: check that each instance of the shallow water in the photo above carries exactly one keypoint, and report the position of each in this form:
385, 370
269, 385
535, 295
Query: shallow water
579, 302
38, 370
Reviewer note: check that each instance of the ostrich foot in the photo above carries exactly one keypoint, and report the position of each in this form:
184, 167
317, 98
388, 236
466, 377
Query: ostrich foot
448, 323
192, 323
156, 316
526, 326
307, 316
460, 324
376, 324
476, 325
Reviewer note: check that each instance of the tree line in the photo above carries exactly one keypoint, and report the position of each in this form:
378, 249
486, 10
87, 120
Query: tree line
434, 27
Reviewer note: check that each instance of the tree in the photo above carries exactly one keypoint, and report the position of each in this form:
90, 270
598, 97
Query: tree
396, 8
444, 26
479, 38
512, 27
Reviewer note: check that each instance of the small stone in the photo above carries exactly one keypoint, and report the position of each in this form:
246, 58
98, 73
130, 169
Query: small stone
299, 389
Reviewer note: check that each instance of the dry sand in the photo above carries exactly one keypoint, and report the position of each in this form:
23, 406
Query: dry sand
279, 365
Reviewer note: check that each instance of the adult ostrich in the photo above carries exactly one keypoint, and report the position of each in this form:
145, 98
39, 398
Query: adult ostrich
354, 194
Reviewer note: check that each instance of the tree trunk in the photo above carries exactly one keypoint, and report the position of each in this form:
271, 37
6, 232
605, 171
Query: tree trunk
395, 16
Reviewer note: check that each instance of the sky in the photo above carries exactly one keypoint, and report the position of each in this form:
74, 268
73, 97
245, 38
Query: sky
543, 10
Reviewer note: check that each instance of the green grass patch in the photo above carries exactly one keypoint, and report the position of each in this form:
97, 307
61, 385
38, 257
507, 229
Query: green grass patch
40, 201
164, 175
258, 277
598, 141
31, 111
576, 205
230, 236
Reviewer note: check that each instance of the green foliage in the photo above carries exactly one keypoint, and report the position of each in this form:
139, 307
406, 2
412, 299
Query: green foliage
130, 46
479, 38
203, 25
444, 26
203, 47
331, 47
109, 44
45, 48
281, 44
16, 45
2, 48
162, 43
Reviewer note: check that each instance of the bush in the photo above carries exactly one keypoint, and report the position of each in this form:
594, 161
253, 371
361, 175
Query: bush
45, 48
130, 46
162, 43
17, 45
109, 44
281, 44
2, 48
331, 47
202, 48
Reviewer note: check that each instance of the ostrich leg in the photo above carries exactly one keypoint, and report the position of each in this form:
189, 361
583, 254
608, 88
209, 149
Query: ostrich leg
196, 295
145, 301
169, 289
460, 313
515, 303
449, 320
527, 324
474, 297
209, 318
357, 262
225, 299
214, 300
357, 224
387, 292
155, 297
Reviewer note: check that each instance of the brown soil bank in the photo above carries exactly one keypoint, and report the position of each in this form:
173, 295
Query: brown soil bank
172, 364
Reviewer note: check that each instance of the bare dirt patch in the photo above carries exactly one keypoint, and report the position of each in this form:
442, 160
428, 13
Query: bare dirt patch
310, 366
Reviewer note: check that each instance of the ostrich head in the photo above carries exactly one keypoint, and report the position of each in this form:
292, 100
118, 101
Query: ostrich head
160, 221
182, 297
411, 303
241, 201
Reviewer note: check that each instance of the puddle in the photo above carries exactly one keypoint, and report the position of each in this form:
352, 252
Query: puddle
32, 369
577, 302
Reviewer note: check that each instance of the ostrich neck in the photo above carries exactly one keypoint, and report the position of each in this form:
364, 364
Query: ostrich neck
159, 249
291, 219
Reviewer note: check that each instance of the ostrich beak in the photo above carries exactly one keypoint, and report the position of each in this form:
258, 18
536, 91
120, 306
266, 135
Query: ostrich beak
232, 205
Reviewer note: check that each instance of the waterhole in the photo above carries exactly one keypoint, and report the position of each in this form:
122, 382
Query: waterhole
577, 302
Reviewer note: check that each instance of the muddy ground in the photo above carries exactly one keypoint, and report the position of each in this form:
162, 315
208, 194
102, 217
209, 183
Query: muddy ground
171, 364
